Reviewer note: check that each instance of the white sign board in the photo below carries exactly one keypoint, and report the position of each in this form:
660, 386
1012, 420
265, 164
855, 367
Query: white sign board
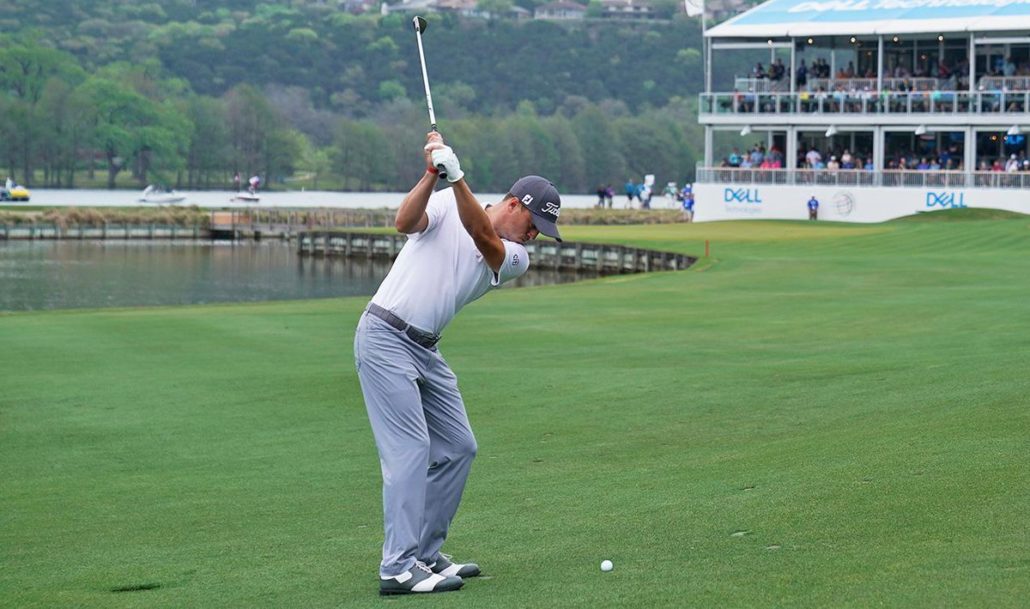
729, 201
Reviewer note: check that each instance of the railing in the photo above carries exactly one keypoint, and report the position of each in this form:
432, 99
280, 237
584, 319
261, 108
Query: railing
545, 254
1005, 83
761, 85
866, 102
858, 177
829, 84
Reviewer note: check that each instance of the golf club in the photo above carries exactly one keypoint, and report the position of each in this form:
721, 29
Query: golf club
420, 25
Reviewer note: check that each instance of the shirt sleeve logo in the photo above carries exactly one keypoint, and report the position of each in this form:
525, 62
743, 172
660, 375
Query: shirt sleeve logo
515, 260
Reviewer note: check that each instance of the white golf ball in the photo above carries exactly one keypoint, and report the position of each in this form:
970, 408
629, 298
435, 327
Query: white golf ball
606, 565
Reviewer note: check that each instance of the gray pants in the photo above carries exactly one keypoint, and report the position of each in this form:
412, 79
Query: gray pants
423, 436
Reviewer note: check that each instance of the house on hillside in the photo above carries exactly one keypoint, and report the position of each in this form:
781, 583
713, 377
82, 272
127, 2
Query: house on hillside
561, 10
718, 10
470, 8
626, 9
409, 6
358, 7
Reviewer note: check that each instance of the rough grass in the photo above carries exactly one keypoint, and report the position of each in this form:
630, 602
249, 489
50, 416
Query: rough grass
816, 416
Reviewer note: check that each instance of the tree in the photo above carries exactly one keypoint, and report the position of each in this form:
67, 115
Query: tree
25, 70
131, 130
208, 157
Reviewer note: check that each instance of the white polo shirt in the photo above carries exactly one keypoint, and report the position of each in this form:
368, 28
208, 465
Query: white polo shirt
440, 270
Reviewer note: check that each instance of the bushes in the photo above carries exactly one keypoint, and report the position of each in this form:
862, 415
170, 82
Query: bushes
91, 217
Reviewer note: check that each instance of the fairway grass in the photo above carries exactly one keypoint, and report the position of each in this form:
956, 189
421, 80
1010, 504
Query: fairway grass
818, 415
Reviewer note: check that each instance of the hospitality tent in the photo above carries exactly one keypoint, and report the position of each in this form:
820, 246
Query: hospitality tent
800, 18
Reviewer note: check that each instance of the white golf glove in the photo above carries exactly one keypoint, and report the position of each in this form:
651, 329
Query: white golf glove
445, 159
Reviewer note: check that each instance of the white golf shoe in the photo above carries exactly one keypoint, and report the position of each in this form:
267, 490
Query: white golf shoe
418, 579
445, 566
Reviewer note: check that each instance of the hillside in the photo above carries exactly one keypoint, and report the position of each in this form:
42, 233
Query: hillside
115, 94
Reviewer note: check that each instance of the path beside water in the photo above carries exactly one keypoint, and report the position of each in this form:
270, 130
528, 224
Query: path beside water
222, 199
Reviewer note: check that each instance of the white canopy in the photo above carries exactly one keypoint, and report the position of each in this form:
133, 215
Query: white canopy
785, 18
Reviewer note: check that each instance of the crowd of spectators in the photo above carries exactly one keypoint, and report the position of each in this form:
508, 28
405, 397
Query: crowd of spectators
836, 159
1006, 76
755, 158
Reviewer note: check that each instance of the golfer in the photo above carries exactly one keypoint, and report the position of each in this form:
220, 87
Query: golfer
456, 252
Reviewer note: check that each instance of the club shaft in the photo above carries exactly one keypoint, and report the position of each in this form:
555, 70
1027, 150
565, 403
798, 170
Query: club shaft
425, 80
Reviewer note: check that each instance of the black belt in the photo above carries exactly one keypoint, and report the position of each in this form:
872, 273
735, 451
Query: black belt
422, 338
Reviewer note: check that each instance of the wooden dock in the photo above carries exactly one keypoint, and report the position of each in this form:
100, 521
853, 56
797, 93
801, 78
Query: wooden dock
285, 224
108, 230
604, 259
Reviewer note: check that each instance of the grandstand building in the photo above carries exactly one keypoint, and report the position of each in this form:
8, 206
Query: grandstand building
878, 108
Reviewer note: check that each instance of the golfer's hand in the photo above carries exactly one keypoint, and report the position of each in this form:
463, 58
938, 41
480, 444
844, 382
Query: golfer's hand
445, 159
433, 141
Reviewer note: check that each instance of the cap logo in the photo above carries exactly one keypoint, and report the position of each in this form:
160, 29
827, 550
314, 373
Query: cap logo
527, 199
551, 208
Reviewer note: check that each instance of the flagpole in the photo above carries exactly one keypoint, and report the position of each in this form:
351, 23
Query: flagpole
705, 51
691, 8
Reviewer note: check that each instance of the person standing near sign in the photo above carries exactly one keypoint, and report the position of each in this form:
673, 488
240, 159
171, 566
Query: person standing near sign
813, 208
687, 201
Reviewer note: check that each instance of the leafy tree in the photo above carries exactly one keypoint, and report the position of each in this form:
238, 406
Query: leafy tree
131, 130
25, 70
208, 160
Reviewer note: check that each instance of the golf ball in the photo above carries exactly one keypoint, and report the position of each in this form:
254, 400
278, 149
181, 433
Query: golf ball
606, 565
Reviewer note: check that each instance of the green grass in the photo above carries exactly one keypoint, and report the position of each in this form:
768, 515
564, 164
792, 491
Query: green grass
816, 416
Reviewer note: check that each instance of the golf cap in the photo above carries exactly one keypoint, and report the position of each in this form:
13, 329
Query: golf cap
543, 201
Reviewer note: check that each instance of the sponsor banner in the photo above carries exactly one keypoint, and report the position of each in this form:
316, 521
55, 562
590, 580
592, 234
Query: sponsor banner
835, 11
731, 201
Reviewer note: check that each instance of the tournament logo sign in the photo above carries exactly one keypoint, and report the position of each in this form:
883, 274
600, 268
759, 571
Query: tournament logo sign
844, 202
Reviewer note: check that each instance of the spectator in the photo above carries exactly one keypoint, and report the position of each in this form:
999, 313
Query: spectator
687, 201
734, 158
813, 158
1013, 165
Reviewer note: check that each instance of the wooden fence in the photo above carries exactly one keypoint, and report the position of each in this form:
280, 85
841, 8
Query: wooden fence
111, 230
601, 258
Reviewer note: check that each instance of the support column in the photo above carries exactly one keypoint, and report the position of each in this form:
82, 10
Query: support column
878, 146
969, 154
879, 63
708, 67
708, 147
793, 67
790, 155
972, 64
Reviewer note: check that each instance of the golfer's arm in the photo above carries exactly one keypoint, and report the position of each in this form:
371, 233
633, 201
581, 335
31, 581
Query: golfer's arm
477, 223
411, 217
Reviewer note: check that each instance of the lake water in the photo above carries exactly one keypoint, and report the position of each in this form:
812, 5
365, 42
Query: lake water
43, 275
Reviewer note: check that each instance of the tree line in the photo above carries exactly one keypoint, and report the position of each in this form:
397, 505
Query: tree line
59, 121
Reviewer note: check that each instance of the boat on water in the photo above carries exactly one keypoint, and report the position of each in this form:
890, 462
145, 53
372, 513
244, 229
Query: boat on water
875, 112
158, 196
249, 197
14, 193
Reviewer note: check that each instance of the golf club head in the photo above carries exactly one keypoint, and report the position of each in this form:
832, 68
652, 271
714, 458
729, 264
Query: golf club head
419, 23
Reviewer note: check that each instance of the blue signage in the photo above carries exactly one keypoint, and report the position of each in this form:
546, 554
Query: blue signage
945, 200
837, 11
741, 195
